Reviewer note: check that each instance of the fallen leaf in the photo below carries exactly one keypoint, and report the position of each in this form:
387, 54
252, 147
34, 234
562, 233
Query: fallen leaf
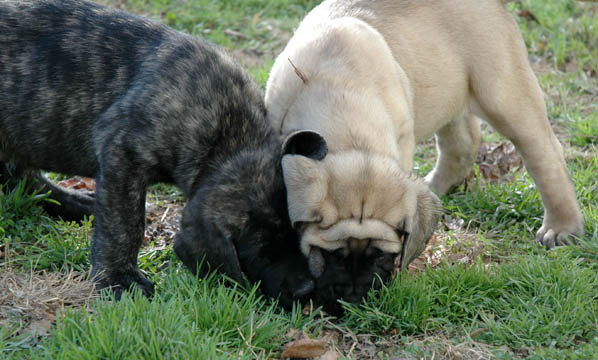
304, 347
495, 161
79, 183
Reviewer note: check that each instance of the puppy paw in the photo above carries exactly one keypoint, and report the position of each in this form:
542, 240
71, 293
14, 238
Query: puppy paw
551, 235
118, 283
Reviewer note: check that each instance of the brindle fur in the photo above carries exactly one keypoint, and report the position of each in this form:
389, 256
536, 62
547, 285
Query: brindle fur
94, 91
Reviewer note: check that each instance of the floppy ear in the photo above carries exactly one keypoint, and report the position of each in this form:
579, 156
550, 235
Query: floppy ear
305, 143
306, 182
421, 226
204, 248
305, 178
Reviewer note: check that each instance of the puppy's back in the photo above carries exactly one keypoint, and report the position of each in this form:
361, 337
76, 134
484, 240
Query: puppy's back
75, 74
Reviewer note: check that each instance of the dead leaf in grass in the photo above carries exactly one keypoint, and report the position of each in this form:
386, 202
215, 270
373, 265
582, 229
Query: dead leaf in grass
303, 347
495, 162
79, 183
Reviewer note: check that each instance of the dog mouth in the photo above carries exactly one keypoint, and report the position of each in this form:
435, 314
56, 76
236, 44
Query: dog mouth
349, 258
349, 273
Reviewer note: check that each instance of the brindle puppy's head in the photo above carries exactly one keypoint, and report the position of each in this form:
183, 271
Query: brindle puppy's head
237, 222
357, 213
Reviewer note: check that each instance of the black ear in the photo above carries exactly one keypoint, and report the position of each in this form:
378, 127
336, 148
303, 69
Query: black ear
210, 248
306, 143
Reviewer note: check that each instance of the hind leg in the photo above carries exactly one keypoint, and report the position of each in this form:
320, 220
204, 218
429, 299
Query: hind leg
457, 144
511, 100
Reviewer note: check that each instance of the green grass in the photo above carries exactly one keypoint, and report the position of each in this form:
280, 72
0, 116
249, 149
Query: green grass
189, 318
531, 301
32, 240
565, 32
517, 299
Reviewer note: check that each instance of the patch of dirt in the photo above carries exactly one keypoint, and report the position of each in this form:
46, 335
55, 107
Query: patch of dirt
162, 221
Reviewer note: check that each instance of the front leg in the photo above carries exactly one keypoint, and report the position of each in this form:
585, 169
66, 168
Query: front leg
119, 225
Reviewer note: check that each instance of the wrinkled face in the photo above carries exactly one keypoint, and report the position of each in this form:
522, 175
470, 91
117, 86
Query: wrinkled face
356, 212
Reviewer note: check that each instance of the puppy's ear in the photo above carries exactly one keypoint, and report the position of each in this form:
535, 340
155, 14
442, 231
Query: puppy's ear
205, 248
420, 226
306, 182
305, 143
304, 175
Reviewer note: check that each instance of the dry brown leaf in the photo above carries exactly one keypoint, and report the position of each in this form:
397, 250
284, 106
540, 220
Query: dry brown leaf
495, 161
79, 183
304, 347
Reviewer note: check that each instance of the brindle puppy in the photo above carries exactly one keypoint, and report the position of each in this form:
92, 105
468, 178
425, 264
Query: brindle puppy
94, 91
